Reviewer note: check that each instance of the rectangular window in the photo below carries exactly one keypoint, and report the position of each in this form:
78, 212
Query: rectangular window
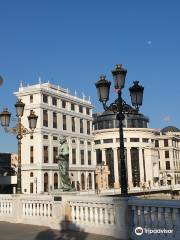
55, 138
107, 141
63, 104
89, 157
80, 109
73, 156
166, 154
88, 127
73, 140
73, 124
117, 139
54, 101
82, 157
64, 122
156, 143
97, 142
46, 159
31, 98
45, 136
31, 187
134, 139
55, 153
45, 98
81, 125
82, 142
146, 140
87, 111
72, 107
31, 154
168, 165
89, 143
31, 136
45, 118
54, 120
166, 143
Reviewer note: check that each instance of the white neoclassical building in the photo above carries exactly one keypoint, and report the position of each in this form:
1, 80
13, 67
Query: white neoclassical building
59, 114
152, 156
142, 161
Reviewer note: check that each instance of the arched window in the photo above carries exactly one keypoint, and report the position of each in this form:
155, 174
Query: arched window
46, 182
82, 181
31, 174
90, 181
55, 181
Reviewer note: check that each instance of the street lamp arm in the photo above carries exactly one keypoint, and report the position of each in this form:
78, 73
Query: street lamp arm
19, 129
114, 107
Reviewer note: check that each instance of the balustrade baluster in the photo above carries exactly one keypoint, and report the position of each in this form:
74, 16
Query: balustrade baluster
86, 214
154, 217
77, 213
72, 211
38, 209
23, 208
34, 209
168, 218
112, 216
3, 207
106, 215
134, 221
161, 221
81, 212
10, 209
30, 209
49, 210
176, 212
141, 220
101, 215
91, 214
96, 214
41, 209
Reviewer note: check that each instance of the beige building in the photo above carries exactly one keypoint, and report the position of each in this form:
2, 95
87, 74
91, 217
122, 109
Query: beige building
168, 145
59, 114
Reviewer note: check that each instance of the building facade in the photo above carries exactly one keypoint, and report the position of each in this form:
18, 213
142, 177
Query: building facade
59, 114
141, 155
168, 145
152, 156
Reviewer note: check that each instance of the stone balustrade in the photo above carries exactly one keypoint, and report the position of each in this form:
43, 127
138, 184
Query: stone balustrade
113, 216
157, 218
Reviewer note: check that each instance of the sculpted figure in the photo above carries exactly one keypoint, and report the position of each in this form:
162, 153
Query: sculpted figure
63, 163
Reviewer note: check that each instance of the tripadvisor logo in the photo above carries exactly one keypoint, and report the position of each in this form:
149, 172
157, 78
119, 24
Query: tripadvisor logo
138, 231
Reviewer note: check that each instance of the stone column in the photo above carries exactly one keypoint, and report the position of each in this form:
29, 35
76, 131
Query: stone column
129, 168
116, 169
104, 155
141, 166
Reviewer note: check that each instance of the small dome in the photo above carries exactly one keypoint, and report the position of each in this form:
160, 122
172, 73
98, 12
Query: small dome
170, 129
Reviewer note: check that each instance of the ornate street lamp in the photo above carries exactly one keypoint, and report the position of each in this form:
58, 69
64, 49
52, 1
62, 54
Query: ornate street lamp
136, 93
19, 130
120, 107
5, 117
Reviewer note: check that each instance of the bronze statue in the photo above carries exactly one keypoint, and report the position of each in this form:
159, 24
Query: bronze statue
63, 164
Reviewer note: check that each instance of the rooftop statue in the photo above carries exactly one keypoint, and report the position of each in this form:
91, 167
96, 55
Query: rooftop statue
63, 164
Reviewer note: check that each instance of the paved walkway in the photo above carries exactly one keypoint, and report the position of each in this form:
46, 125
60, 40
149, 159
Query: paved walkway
12, 231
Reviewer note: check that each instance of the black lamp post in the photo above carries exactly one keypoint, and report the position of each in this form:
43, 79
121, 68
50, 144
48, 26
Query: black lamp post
19, 130
120, 107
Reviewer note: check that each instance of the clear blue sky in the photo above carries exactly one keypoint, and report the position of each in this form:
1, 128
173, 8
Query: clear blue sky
72, 42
